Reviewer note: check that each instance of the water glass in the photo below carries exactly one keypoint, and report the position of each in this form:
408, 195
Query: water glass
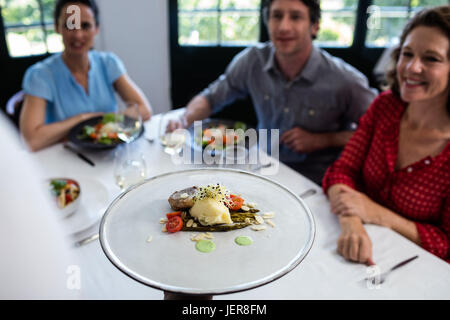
130, 166
235, 157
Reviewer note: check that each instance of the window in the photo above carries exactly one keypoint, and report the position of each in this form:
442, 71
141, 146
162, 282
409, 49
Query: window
218, 22
29, 27
388, 17
337, 24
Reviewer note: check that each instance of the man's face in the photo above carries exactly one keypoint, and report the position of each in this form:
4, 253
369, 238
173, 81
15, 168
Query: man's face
290, 27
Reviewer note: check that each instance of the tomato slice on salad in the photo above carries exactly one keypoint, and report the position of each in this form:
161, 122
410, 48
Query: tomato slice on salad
236, 202
174, 224
173, 214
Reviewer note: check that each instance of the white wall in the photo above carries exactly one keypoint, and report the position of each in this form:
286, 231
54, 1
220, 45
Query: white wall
138, 32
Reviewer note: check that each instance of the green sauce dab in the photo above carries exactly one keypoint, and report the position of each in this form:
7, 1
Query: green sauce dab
205, 246
243, 241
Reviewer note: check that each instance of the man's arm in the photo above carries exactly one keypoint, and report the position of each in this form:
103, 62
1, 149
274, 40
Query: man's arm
198, 108
229, 87
303, 141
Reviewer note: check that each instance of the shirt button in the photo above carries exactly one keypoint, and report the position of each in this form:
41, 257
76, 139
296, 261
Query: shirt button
311, 112
266, 97
286, 110
427, 162
409, 170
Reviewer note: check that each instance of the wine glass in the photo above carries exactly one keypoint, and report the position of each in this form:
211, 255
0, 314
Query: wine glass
235, 157
130, 166
171, 141
129, 122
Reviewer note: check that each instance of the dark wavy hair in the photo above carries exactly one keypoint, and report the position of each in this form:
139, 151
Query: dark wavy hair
437, 17
60, 4
313, 6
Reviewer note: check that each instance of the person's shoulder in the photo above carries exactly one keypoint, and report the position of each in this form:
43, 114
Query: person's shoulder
46, 65
388, 105
340, 68
257, 52
43, 70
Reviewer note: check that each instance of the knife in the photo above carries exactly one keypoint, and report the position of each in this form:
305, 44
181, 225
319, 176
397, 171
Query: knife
82, 156
87, 240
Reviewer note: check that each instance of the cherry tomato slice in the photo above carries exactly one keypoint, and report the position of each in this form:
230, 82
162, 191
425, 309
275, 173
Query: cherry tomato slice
68, 199
174, 224
112, 135
236, 202
173, 214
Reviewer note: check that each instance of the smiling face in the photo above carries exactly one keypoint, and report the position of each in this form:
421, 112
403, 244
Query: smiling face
78, 41
290, 27
423, 66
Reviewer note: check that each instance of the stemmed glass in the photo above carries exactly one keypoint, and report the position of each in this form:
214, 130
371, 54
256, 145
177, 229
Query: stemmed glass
129, 122
171, 141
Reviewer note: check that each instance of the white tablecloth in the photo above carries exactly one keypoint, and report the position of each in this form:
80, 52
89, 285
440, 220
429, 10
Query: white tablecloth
322, 275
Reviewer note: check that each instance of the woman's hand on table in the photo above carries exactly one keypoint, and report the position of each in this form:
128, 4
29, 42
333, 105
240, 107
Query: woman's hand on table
354, 243
349, 202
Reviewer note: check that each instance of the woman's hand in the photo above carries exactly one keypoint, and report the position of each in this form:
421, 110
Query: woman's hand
349, 202
354, 243
36, 132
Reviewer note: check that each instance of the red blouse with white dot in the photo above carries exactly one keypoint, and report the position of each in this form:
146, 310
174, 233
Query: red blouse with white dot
420, 192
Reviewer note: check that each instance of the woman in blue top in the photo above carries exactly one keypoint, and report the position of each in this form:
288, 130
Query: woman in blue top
77, 84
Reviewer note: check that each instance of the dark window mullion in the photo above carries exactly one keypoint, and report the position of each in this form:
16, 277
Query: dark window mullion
409, 9
219, 23
44, 29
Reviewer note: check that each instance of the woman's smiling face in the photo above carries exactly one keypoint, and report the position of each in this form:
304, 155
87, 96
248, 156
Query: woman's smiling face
81, 40
423, 66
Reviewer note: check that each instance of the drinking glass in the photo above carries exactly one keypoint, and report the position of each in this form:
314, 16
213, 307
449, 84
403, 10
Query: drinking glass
235, 157
129, 122
171, 141
130, 166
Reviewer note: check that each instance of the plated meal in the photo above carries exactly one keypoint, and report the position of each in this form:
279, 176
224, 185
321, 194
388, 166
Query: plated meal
220, 135
66, 193
106, 131
206, 261
212, 208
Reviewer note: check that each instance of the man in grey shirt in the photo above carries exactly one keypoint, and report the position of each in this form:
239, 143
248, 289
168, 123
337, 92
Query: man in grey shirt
314, 99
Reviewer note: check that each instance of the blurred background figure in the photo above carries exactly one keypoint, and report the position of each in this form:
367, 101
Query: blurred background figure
313, 98
36, 260
77, 84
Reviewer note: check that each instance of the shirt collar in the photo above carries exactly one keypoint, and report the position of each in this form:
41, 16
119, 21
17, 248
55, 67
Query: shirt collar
309, 71
270, 63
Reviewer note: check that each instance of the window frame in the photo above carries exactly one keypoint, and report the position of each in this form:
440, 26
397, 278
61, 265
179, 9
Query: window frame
219, 11
43, 26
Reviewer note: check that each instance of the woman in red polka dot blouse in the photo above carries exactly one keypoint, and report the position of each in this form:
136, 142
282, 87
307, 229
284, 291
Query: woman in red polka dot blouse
395, 170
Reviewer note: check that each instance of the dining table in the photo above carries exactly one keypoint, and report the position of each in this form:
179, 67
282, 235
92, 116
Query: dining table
322, 275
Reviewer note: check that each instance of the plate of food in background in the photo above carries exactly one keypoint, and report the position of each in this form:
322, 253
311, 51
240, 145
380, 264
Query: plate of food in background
106, 132
215, 135
79, 203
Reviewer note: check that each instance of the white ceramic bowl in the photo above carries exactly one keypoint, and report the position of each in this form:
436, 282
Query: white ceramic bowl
71, 207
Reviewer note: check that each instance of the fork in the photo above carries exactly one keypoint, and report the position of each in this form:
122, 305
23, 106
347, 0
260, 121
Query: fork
383, 276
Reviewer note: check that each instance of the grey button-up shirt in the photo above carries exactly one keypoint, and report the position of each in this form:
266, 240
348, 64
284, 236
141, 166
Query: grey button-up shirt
328, 95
